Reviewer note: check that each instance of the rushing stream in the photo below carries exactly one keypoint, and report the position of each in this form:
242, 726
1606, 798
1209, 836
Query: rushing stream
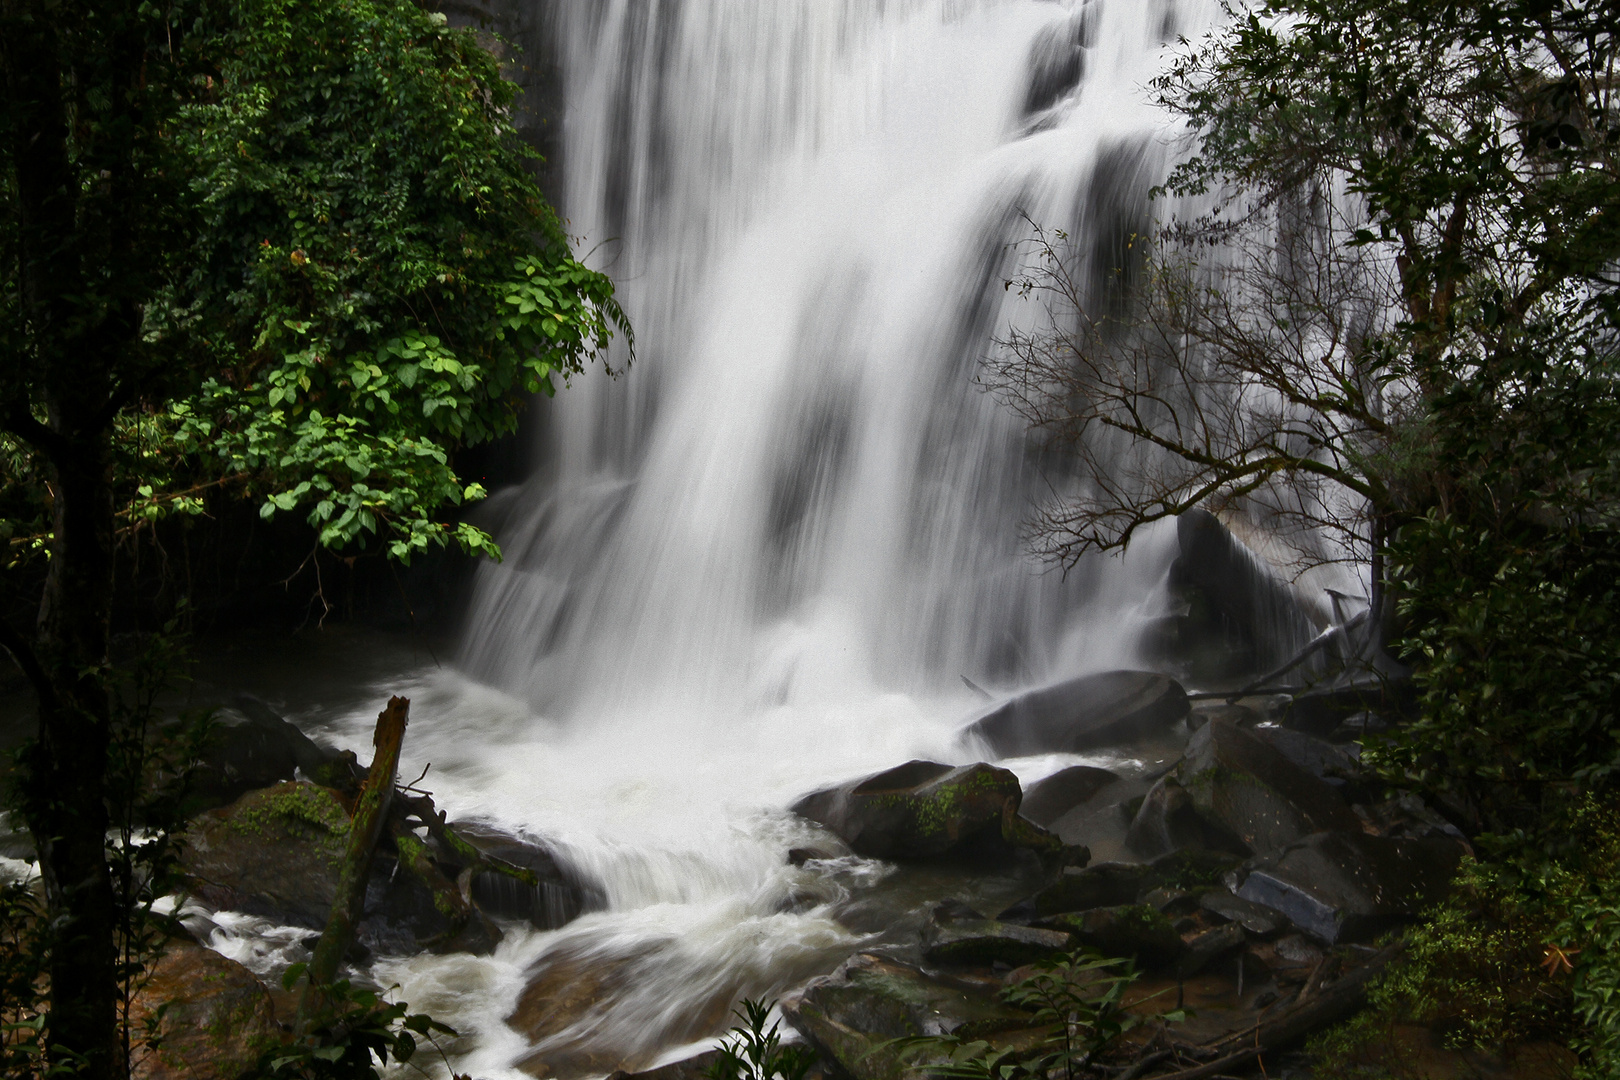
767, 556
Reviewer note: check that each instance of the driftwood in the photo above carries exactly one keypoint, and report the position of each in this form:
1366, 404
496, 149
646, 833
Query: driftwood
370, 818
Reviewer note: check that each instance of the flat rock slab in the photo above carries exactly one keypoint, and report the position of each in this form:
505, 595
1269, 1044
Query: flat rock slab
1244, 788
986, 941
1087, 713
1343, 887
927, 810
213, 1017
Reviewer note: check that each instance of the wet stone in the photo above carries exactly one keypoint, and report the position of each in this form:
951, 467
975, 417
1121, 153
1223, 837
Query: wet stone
213, 1018
1050, 798
1246, 790
928, 810
984, 942
1257, 919
1343, 887
1127, 930
1107, 709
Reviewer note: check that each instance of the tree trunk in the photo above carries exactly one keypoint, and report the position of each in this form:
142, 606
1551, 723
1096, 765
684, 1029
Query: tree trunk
64, 796
370, 817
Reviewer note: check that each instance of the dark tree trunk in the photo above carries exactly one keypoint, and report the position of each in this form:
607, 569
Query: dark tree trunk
76, 335
66, 769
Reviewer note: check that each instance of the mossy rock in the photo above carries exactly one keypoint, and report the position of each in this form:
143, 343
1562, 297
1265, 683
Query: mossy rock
277, 852
928, 810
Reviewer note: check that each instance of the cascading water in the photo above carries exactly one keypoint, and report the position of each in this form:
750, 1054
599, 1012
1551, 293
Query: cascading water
765, 557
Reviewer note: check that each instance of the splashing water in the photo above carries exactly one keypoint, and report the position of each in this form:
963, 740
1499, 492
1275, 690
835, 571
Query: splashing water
764, 559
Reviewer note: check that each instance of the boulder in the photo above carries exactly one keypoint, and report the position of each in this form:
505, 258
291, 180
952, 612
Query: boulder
248, 746
213, 1019
985, 942
561, 896
1093, 711
1052, 797
277, 852
854, 1016
1335, 765
1237, 618
1138, 930
1098, 885
1112, 884
1251, 796
1168, 820
1341, 887
928, 810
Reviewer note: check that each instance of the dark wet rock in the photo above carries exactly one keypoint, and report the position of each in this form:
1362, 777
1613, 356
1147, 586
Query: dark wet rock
1050, 798
1137, 930
1257, 919
1167, 820
854, 1015
1112, 884
1192, 868
1093, 711
247, 747
985, 942
561, 897
277, 852
1332, 763
1057, 61
212, 1016
1208, 947
928, 810
1097, 885
1343, 887
1251, 795
1238, 619
1171, 901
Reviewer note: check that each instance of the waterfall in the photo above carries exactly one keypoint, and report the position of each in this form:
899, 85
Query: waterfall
810, 207
767, 556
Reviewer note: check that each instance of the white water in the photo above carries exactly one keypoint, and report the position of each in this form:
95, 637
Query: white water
764, 559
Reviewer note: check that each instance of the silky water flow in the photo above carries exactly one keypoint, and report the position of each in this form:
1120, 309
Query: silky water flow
765, 558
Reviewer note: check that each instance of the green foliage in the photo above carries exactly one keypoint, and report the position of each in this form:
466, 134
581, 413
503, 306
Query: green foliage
1079, 998
353, 1039
753, 1051
376, 270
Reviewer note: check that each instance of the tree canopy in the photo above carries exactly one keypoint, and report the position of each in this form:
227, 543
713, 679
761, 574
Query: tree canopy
288, 251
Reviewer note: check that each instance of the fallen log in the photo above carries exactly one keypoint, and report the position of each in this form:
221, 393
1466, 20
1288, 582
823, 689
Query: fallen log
370, 817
